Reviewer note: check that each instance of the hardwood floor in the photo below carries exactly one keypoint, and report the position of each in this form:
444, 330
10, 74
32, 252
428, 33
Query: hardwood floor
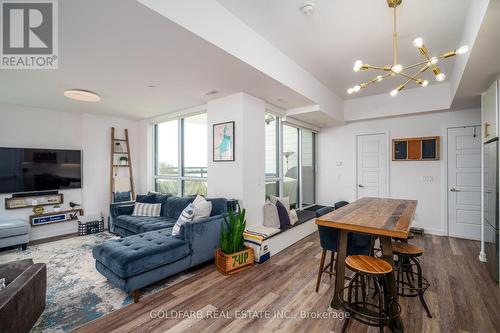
462, 297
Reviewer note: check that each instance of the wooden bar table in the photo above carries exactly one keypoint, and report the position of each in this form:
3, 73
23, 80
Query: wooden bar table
385, 218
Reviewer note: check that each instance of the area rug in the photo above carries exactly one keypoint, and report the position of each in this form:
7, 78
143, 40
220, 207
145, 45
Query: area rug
76, 292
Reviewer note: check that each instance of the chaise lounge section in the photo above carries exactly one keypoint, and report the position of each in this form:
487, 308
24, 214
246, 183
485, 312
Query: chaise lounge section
149, 253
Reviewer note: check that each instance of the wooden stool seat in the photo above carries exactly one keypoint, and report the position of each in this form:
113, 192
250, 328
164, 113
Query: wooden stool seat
368, 265
406, 249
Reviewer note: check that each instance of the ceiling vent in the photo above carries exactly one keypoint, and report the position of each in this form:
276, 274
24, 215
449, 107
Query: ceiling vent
307, 8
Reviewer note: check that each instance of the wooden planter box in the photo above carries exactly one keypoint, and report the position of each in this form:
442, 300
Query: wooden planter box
229, 264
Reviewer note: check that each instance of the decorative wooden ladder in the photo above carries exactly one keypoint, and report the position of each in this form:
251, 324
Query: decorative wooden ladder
115, 163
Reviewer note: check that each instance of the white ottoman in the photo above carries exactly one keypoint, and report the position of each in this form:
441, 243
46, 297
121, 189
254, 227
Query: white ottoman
14, 232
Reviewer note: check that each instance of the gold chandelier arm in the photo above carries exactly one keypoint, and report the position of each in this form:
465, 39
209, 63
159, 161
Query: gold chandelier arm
409, 77
414, 77
395, 37
377, 78
422, 63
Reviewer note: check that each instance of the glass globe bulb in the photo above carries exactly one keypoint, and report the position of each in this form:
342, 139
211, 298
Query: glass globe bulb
463, 50
397, 68
425, 83
394, 92
350, 91
440, 77
418, 42
434, 60
357, 65
356, 88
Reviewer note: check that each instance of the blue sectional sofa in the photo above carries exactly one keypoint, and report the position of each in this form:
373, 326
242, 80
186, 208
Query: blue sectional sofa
147, 252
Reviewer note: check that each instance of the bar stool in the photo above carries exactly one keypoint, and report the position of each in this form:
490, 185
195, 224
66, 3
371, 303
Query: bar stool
408, 282
369, 269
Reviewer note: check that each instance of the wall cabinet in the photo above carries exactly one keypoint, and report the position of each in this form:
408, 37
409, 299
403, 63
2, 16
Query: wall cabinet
489, 105
416, 149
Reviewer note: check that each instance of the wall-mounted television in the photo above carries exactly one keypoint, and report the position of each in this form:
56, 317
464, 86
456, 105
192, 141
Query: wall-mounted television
31, 169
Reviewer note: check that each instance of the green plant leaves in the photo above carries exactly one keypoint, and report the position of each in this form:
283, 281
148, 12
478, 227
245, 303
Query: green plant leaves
231, 240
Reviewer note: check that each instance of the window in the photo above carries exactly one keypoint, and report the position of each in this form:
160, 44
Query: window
181, 156
272, 127
290, 162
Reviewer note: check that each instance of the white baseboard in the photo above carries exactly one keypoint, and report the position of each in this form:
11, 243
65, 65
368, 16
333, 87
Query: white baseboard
285, 239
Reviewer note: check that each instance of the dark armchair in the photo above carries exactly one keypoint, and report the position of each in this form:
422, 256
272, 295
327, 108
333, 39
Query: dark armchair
23, 300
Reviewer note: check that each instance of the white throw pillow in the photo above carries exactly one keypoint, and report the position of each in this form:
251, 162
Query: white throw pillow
202, 207
145, 209
186, 216
271, 218
284, 200
293, 216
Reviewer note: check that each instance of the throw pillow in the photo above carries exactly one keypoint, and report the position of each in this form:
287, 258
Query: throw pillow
187, 215
147, 209
202, 207
284, 200
294, 218
2, 284
283, 215
271, 218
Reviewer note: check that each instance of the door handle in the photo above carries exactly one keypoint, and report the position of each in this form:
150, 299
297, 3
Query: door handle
454, 190
359, 185
486, 126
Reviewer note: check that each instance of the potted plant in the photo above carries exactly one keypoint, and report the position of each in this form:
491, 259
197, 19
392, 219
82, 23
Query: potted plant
124, 160
57, 208
233, 256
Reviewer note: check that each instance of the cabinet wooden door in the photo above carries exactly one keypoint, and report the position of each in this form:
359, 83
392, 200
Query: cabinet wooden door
490, 112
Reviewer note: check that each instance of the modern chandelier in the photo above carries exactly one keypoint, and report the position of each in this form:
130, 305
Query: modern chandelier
398, 69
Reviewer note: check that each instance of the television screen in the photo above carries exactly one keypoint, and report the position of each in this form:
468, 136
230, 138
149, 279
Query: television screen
26, 169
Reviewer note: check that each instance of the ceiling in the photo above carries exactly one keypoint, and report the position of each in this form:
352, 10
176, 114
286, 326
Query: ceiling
483, 66
118, 49
338, 33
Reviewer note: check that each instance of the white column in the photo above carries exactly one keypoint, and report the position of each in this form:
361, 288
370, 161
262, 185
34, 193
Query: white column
242, 179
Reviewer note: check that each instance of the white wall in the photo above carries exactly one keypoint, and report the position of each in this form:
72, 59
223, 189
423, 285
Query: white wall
242, 179
40, 128
337, 144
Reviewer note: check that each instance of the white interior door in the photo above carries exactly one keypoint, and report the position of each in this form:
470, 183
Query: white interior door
464, 182
372, 166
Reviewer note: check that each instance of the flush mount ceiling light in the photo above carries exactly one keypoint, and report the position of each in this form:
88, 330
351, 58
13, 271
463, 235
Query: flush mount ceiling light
397, 69
82, 95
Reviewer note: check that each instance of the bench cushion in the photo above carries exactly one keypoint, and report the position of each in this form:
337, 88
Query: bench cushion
12, 228
136, 254
139, 224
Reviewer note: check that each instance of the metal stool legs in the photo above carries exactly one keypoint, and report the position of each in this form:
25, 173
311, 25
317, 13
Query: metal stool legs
406, 278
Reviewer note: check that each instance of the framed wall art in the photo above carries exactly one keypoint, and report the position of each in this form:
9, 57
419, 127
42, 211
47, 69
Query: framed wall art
223, 142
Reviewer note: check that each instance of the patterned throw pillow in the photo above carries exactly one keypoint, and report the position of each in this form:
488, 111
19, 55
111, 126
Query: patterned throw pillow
283, 214
2, 284
187, 215
146, 209
202, 207
294, 218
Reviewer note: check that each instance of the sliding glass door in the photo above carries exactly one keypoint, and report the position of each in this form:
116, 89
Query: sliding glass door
291, 164
307, 167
